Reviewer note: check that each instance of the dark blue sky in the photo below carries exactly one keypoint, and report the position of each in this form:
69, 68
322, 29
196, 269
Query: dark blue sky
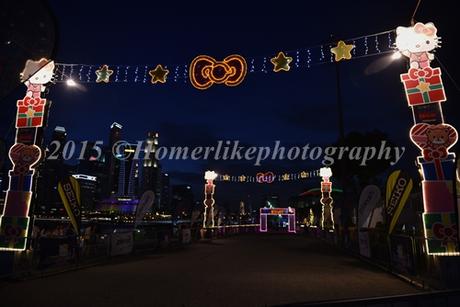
296, 107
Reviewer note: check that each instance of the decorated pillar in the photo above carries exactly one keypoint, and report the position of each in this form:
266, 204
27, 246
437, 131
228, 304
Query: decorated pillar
425, 94
25, 155
209, 187
327, 218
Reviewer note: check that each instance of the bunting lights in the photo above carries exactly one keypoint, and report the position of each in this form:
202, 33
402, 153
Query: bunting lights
327, 217
205, 71
424, 94
25, 155
268, 177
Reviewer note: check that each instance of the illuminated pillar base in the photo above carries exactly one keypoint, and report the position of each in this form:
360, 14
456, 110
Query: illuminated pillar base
327, 221
441, 233
13, 233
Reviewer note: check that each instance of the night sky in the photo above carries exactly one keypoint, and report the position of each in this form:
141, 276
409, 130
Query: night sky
297, 107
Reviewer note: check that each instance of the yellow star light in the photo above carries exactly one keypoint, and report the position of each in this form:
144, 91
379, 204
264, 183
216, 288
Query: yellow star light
342, 51
303, 174
103, 74
285, 177
158, 74
242, 178
423, 87
226, 178
281, 62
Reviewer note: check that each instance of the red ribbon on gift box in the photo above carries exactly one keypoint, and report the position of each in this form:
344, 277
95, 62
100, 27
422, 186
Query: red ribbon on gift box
415, 73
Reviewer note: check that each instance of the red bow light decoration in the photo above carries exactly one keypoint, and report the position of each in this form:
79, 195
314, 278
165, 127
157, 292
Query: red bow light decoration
205, 71
267, 177
415, 73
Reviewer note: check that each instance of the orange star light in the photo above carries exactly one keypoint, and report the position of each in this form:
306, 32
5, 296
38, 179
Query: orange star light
158, 74
281, 62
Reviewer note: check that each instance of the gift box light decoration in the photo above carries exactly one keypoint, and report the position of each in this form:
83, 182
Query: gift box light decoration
25, 155
327, 217
209, 188
423, 87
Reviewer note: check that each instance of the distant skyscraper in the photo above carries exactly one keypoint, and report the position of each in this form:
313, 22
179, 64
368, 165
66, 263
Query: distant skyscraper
165, 201
57, 144
151, 171
88, 190
128, 176
113, 163
182, 199
51, 170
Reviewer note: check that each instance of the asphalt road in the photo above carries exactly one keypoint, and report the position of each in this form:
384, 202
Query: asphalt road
253, 270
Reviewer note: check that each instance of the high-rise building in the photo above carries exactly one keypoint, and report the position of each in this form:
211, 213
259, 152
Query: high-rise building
182, 199
88, 190
57, 144
113, 163
165, 201
128, 176
151, 169
50, 171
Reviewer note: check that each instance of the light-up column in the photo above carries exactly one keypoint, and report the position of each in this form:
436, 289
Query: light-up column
291, 220
209, 187
425, 94
25, 155
327, 218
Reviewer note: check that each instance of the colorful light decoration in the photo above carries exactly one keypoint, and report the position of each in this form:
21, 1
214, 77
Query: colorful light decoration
206, 71
281, 62
265, 212
159, 74
327, 217
25, 155
424, 94
343, 51
209, 188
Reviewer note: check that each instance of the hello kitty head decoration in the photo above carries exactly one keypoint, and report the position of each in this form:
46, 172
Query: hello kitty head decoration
38, 72
36, 75
417, 43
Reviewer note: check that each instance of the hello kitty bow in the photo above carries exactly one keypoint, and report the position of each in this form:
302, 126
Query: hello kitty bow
424, 29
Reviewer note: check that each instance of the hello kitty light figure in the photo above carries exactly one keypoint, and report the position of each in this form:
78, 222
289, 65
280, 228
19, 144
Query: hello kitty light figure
417, 43
36, 75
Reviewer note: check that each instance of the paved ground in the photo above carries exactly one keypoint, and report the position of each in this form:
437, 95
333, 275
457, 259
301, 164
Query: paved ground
242, 271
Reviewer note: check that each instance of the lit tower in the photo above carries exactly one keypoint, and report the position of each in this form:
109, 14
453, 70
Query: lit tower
209, 187
327, 218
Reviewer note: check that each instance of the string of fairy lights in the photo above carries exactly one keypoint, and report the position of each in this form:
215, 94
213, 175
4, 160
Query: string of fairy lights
300, 59
268, 177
